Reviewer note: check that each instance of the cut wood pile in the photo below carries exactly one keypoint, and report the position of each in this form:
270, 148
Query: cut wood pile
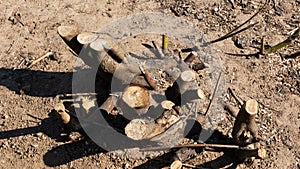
155, 96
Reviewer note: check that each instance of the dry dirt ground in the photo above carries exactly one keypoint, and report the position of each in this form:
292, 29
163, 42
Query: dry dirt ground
31, 137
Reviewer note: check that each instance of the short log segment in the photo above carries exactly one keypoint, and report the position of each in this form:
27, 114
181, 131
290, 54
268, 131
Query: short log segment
159, 110
69, 34
61, 113
245, 129
108, 105
183, 89
136, 97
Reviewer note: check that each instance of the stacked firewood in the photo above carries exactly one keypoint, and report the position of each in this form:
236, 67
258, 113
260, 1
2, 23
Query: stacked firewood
138, 95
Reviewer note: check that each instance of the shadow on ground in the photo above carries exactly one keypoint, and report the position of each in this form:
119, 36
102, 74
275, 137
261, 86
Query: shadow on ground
51, 84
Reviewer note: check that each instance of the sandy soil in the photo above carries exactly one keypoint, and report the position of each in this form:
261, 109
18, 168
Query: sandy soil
31, 137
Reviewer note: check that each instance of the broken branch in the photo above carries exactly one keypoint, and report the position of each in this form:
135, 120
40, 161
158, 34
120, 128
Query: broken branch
213, 94
148, 78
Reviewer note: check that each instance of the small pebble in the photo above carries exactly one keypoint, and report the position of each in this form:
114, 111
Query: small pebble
5, 116
39, 134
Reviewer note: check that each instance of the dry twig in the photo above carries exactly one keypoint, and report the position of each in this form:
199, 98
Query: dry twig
39, 59
213, 95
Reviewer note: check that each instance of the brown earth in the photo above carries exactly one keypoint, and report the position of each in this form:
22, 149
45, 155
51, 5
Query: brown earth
32, 138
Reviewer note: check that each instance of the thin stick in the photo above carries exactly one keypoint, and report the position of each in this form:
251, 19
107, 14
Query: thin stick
213, 95
34, 117
200, 145
158, 50
189, 165
148, 78
262, 47
154, 45
79, 94
10, 46
39, 59
240, 103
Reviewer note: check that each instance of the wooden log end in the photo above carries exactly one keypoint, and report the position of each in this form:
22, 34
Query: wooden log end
167, 105
138, 129
86, 37
187, 76
68, 32
251, 107
191, 57
61, 113
176, 165
136, 96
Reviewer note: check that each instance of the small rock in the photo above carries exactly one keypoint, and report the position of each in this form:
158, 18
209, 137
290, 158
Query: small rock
75, 136
39, 134
5, 116
34, 145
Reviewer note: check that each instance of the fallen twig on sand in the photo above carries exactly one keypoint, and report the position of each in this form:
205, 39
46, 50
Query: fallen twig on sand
213, 95
39, 59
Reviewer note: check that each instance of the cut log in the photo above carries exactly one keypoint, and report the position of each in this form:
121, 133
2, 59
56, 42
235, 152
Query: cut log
68, 32
136, 97
138, 129
191, 57
140, 80
245, 129
193, 94
176, 165
61, 113
117, 53
108, 65
231, 109
185, 82
148, 78
167, 105
86, 37
108, 105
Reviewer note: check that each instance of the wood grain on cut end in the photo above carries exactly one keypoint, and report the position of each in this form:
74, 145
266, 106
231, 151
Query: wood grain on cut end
167, 105
187, 76
68, 32
251, 107
176, 165
86, 37
136, 96
138, 129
